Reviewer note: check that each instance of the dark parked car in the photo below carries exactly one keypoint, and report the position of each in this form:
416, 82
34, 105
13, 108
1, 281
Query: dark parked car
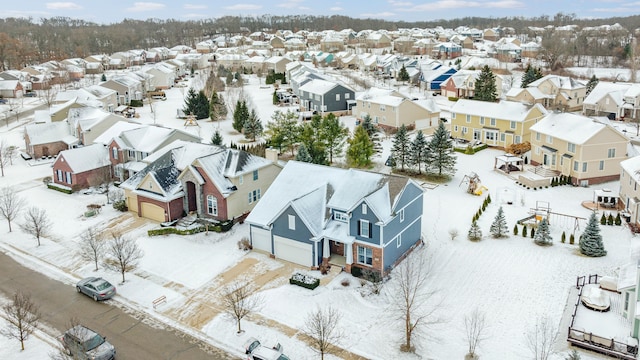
81, 342
96, 288
31, 94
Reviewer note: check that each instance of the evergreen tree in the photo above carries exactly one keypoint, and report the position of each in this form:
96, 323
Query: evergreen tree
252, 126
191, 102
591, 239
440, 151
530, 75
524, 231
485, 89
563, 238
201, 110
311, 135
283, 131
372, 131
303, 154
603, 219
103, 77
400, 147
499, 228
610, 219
574, 355
543, 235
403, 75
533, 233
334, 136
217, 107
515, 229
275, 100
360, 148
475, 234
418, 151
229, 79
618, 220
216, 138
240, 115
592, 83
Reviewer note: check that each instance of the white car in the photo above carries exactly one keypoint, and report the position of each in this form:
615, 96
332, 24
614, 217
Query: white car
255, 351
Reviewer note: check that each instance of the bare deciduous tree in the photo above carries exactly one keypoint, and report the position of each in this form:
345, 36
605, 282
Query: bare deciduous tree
540, 338
239, 299
10, 204
321, 326
123, 254
37, 223
413, 298
474, 325
22, 316
7, 153
92, 246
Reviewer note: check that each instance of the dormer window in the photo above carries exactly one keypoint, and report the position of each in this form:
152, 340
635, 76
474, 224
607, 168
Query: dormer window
340, 216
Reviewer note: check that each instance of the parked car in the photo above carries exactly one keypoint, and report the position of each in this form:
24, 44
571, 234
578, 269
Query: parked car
3, 101
31, 94
256, 351
80, 342
96, 288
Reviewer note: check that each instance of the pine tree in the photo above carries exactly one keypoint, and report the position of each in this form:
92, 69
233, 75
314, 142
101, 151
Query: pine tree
618, 220
440, 151
334, 136
475, 234
312, 135
530, 75
563, 238
372, 131
403, 75
543, 235
515, 229
485, 89
603, 219
252, 126
572, 239
533, 232
240, 115
524, 231
610, 219
418, 151
499, 228
360, 148
591, 239
191, 102
103, 77
400, 147
283, 131
201, 110
275, 99
303, 154
574, 355
216, 138
591, 84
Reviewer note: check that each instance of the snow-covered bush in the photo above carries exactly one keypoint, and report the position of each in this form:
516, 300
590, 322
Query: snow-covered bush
306, 281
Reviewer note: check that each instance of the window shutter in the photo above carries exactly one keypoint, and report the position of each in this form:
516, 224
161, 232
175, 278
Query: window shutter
369, 230
358, 227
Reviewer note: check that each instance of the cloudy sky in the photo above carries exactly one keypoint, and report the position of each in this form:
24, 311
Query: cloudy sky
392, 10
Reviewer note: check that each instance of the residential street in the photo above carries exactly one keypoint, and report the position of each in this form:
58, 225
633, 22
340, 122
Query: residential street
134, 335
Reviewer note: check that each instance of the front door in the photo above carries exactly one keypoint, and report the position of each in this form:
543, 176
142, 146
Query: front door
192, 204
336, 247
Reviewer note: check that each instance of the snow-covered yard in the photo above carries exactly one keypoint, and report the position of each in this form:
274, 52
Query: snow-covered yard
511, 280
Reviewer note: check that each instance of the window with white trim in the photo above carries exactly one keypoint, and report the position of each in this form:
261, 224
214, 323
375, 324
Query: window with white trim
584, 166
549, 139
340, 216
59, 175
402, 215
493, 121
212, 205
517, 140
611, 153
255, 175
364, 209
114, 153
601, 165
512, 124
292, 222
337, 97
481, 120
240, 179
575, 165
365, 255
502, 137
571, 147
364, 229
68, 176
538, 136
468, 118
399, 240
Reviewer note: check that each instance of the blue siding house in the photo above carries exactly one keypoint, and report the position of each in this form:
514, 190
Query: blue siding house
314, 214
323, 96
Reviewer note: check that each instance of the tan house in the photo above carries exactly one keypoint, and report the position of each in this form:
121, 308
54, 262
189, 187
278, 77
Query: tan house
608, 99
462, 84
553, 92
573, 145
496, 124
390, 110
630, 188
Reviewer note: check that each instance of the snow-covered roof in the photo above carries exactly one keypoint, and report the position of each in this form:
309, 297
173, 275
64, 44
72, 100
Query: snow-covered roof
317, 86
116, 130
85, 158
313, 189
573, 128
506, 110
46, 133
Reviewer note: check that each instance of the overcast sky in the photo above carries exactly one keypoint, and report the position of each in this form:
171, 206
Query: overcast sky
393, 10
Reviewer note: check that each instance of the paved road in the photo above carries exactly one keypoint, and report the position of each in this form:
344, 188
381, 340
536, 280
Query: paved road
134, 335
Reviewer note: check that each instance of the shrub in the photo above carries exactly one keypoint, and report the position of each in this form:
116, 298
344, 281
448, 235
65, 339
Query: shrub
563, 238
345, 282
469, 150
572, 239
244, 244
60, 188
524, 231
488, 199
47, 180
618, 220
172, 230
533, 232
356, 271
324, 268
306, 281
515, 229
610, 219
120, 205
603, 220
136, 103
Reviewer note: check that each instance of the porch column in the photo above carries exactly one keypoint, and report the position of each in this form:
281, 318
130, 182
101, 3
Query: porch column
326, 250
348, 257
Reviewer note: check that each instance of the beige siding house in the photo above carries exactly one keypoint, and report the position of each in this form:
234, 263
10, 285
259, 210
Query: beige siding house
389, 109
574, 145
630, 189
496, 124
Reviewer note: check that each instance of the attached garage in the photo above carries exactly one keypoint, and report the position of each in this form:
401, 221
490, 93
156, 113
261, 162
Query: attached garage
261, 239
152, 211
293, 251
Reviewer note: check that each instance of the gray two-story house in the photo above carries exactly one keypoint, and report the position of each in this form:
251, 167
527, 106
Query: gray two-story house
314, 214
322, 96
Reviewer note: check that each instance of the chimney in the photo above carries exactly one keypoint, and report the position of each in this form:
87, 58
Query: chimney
271, 154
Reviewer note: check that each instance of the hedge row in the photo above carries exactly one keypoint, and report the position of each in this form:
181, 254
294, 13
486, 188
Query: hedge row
61, 189
219, 227
306, 281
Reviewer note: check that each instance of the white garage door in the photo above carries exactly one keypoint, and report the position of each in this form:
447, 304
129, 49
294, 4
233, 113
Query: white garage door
261, 239
152, 211
294, 251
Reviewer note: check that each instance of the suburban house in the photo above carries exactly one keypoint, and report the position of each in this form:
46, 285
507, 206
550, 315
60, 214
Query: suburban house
631, 103
553, 92
314, 214
434, 75
11, 89
47, 139
164, 75
629, 287
629, 192
462, 84
495, 124
87, 123
608, 99
588, 150
207, 180
128, 148
326, 97
82, 167
390, 110
127, 88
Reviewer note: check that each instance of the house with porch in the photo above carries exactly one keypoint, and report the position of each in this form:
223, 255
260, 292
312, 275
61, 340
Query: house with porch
194, 178
82, 167
462, 84
326, 97
315, 214
558, 92
589, 150
608, 99
495, 124
629, 193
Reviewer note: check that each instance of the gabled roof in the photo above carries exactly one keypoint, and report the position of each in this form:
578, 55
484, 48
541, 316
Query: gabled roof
615, 90
561, 82
318, 86
85, 158
46, 133
146, 138
505, 110
87, 117
314, 189
573, 128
